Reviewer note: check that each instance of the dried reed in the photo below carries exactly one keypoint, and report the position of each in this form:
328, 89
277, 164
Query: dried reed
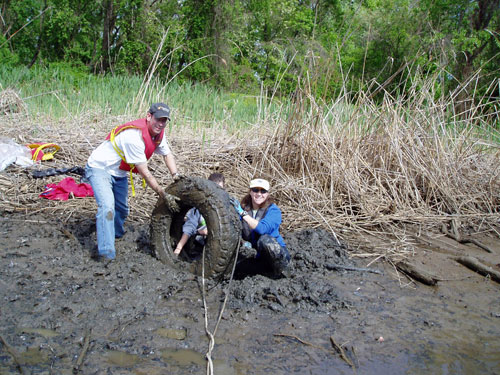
355, 169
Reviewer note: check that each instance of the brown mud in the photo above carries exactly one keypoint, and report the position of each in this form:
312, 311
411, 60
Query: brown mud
62, 312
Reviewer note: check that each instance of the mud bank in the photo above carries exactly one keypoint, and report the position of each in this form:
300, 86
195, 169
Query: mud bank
63, 312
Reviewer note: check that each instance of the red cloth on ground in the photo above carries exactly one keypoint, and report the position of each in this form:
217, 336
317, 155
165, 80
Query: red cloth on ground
62, 190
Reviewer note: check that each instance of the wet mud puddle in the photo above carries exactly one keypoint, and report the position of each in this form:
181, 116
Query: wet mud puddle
64, 313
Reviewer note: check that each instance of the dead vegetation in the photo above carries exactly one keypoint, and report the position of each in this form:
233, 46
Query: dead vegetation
354, 169
10, 102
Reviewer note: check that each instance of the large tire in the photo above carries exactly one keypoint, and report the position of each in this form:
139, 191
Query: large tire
223, 224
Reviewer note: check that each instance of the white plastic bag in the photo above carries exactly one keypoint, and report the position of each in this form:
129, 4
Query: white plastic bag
11, 152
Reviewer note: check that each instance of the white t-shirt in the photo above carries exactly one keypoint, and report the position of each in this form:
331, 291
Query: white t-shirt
130, 142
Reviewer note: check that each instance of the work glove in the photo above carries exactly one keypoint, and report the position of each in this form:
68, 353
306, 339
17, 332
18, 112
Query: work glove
233, 200
246, 245
177, 176
237, 206
171, 200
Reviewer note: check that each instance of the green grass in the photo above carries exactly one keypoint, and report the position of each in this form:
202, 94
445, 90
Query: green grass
61, 91
58, 92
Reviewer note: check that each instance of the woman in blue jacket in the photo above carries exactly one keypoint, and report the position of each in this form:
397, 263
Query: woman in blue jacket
261, 220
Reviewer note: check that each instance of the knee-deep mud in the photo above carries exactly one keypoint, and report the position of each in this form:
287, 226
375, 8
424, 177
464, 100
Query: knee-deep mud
62, 312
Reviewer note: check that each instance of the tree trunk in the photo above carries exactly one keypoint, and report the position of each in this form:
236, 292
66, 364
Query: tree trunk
40, 38
107, 27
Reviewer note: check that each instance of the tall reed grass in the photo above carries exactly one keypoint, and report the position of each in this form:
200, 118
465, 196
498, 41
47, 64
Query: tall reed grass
356, 167
409, 161
60, 92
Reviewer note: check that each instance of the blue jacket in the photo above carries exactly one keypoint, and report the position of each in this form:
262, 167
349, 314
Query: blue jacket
269, 224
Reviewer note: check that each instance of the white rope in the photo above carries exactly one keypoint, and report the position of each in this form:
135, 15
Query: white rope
211, 336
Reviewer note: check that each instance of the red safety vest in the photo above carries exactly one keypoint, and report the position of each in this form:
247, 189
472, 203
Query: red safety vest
150, 142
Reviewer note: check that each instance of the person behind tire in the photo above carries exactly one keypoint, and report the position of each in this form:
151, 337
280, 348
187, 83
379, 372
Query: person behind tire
127, 149
261, 220
195, 225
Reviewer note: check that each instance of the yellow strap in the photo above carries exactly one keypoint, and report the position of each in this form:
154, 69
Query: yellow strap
46, 156
132, 183
35, 155
120, 153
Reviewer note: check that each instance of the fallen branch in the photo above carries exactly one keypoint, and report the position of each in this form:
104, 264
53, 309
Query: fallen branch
476, 266
416, 273
436, 244
340, 350
14, 354
299, 340
335, 267
68, 234
121, 326
83, 353
457, 237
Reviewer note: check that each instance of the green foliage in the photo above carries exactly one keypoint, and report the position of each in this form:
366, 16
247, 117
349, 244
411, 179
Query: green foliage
472, 29
7, 57
131, 58
24, 41
336, 47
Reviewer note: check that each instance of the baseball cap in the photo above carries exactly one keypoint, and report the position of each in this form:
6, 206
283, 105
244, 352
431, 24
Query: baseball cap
160, 110
259, 182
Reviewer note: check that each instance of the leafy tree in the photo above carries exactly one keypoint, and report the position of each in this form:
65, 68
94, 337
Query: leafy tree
332, 46
19, 19
7, 57
470, 32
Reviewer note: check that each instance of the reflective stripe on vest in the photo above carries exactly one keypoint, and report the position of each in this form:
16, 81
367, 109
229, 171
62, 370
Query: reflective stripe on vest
150, 146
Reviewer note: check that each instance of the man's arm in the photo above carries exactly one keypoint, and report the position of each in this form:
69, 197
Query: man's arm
149, 178
170, 163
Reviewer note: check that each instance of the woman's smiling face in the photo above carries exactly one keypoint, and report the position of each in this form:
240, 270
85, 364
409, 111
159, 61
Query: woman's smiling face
259, 196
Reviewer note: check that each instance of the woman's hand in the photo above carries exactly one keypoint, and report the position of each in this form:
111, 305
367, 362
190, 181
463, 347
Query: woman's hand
237, 207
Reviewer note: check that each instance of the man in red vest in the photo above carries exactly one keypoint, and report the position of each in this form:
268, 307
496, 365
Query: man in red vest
127, 149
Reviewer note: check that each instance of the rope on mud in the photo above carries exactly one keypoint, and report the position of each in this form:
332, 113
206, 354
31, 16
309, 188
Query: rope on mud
211, 336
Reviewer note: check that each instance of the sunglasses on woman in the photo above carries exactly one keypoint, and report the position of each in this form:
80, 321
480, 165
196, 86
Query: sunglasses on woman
257, 190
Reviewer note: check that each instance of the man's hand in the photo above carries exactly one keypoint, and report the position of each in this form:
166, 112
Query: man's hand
171, 200
177, 176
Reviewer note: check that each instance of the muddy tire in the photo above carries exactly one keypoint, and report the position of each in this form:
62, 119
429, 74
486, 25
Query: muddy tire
223, 224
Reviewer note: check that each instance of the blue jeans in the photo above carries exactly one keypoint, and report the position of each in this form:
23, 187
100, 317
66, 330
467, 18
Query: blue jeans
111, 195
